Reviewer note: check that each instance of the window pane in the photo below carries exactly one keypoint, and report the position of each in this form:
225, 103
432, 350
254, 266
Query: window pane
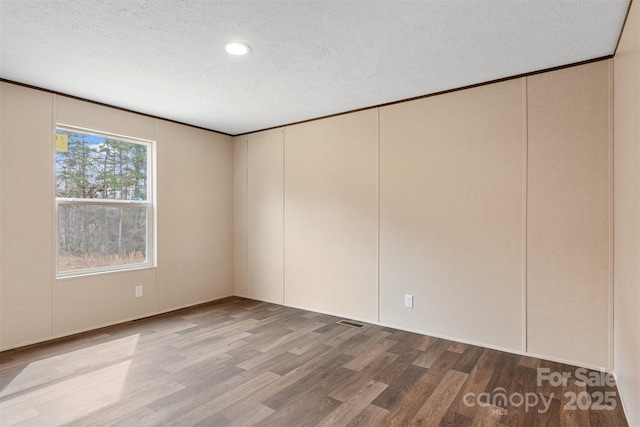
98, 167
92, 236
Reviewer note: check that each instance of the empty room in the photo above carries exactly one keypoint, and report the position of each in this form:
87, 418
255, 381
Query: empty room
319, 213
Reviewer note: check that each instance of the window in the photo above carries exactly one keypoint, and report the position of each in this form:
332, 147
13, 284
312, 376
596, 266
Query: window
104, 202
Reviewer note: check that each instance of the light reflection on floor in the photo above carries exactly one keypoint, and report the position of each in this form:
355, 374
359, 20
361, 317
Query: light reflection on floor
61, 388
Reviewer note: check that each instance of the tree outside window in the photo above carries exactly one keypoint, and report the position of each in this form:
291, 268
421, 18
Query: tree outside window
104, 202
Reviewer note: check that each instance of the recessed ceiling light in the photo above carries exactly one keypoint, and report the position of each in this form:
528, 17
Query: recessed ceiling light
237, 48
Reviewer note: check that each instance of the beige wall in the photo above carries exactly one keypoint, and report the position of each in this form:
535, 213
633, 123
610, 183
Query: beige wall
627, 215
459, 228
73, 112
26, 215
84, 302
331, 215
194, 221
265, 240
195, 215
240, 212
568, 216
451, 214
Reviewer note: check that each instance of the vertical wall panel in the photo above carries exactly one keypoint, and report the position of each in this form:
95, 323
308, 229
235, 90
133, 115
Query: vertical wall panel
240, 279
195, 215
26, 215
451, 214
331, 215
626, 348
569, 205
265, 217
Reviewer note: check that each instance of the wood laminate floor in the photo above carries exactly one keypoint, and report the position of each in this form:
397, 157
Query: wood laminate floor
246, 363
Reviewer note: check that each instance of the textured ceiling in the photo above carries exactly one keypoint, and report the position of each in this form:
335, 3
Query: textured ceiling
309, 58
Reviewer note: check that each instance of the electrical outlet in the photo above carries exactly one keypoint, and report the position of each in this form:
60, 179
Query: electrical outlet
408, 301
138, 291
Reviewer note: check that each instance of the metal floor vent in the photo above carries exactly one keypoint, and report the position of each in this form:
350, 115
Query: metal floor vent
350, 323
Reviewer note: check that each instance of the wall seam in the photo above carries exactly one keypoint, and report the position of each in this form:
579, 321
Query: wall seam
284, 136
2, 86
379, 180
155, 212
246, 208
54, 228
525, 197
611, 307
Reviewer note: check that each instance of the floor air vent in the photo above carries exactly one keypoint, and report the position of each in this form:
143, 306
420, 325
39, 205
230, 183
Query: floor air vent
350, 323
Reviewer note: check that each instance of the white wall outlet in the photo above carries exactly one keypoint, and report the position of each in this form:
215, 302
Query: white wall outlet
408, 301
138, 291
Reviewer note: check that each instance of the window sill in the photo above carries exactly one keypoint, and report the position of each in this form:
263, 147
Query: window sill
84, 274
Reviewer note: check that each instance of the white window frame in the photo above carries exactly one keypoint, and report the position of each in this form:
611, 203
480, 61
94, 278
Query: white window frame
149, 203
